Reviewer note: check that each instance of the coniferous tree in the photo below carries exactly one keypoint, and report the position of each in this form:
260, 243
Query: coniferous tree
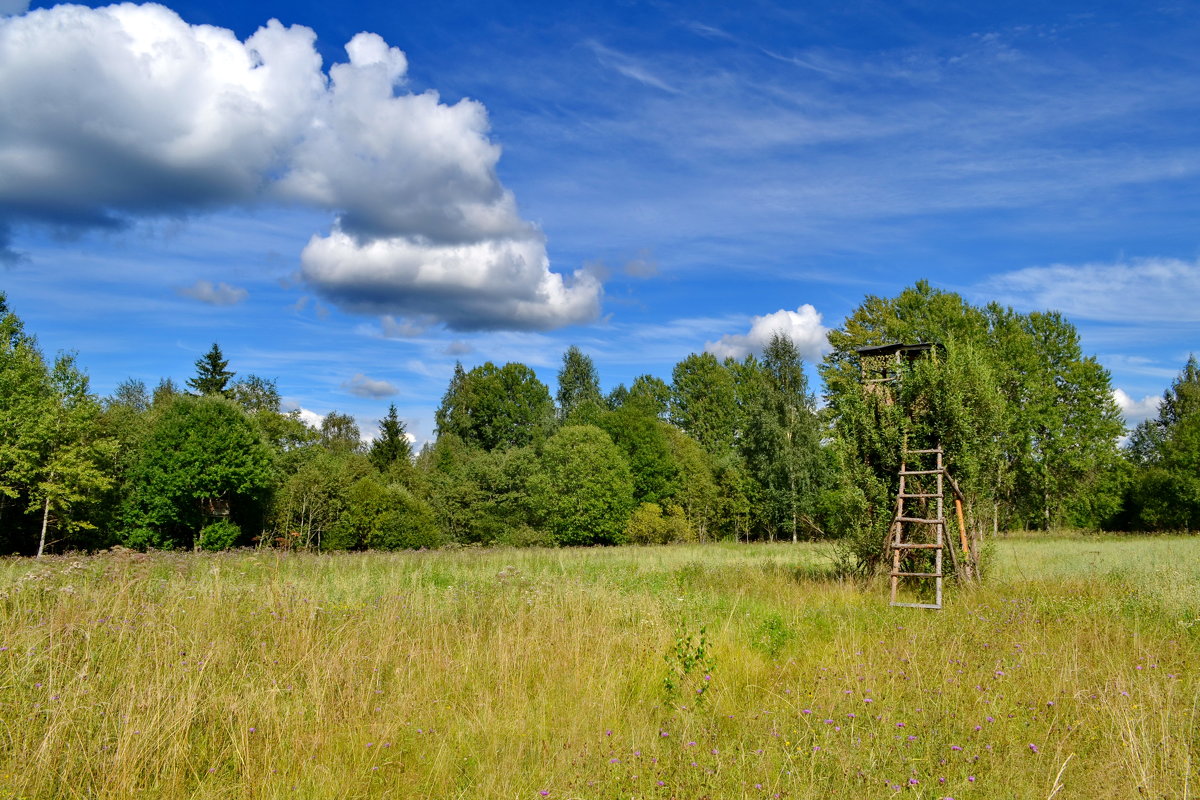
212, 374
392, 445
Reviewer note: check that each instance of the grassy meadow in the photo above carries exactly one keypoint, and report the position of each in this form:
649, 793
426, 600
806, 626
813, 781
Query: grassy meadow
709, 671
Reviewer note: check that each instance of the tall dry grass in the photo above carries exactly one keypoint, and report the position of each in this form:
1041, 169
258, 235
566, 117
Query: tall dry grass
541, 673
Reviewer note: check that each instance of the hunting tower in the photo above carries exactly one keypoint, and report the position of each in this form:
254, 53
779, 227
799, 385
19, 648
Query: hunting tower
916, 538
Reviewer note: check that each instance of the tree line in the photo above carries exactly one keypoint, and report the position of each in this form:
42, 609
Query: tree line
732, 449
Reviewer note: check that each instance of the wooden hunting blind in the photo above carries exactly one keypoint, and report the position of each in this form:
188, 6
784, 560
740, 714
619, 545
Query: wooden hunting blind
916, 538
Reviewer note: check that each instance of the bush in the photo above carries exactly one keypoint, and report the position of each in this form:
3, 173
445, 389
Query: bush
220, 535
142, 539
412, 528
525, 536
648, 525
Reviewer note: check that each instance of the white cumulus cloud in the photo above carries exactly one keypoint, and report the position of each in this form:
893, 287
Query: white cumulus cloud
219, 294
310, 418
492, 283
174, 118
803, 326
1135, 411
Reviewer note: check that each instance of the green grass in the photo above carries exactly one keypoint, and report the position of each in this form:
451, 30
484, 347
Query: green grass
531, 673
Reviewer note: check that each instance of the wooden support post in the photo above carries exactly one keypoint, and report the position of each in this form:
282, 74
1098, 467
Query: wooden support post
962, 528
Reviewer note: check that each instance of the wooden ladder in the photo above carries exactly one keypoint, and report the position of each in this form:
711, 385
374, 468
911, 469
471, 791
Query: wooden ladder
914, 534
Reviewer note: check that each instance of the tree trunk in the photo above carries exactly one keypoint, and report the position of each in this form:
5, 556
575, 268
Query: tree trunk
45, 523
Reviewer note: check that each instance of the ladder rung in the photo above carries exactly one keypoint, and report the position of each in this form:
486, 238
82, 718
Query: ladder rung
913, 546
920, 472
919, 519
923, 452
917, 575
920, 496
936, 606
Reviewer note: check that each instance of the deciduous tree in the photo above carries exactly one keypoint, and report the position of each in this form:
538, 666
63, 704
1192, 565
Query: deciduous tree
582, 491
578, 382
496, 407
202, 459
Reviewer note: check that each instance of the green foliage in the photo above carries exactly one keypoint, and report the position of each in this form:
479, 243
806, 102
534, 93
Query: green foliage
24, 387
771, 636
212, 375
690, 666
496, 407
704, 402
478, 495
130, 394
255, 394
312, 497
581, 490
729, 450
646, 442
1164, 494
382, 517
578, 382
164, 392
1027, 423
54, 454
340, 434
696, 495
74, 452
285, 433
201, 456
649, 395
780, 441
649, 525
392, 445
219, 535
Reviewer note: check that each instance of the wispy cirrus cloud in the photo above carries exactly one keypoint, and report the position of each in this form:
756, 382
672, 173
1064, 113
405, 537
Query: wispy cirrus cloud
1139, 290
630, 67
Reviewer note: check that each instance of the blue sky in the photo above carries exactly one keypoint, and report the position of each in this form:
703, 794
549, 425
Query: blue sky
498, 181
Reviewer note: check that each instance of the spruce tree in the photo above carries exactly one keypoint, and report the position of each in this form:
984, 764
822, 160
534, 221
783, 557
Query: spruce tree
212, 375
392, 446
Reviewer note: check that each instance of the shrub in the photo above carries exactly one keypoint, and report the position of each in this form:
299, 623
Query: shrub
649, 525
220, 535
